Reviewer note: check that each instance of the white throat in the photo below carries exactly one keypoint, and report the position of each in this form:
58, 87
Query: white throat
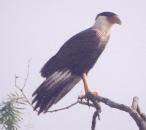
102, 26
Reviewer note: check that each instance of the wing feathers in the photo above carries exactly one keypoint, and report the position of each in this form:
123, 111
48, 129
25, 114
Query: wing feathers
55, 87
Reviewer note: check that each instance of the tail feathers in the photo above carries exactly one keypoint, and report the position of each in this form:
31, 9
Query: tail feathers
55, 87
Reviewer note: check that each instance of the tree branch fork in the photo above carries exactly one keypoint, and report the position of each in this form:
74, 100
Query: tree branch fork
94, 101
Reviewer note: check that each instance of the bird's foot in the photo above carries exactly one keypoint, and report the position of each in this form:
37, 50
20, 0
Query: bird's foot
84, 96
93, 93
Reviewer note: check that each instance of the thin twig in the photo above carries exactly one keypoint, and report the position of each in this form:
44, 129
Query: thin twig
27, 75
64, 108
21, 89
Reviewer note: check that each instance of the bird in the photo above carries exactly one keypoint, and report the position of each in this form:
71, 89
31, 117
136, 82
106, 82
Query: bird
73, 61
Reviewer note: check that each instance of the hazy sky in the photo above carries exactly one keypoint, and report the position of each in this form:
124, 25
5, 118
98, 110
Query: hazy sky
36, 29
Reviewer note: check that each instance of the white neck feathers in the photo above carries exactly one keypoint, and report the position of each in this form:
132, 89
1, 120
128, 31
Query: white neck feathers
102, 26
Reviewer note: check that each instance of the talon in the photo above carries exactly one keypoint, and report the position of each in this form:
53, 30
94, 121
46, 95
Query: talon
83, 96
94, 93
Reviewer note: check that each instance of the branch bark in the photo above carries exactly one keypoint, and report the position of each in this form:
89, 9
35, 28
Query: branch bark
134, 111
93, 101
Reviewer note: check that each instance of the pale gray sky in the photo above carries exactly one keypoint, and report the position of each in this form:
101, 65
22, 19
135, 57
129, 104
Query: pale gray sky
36, 29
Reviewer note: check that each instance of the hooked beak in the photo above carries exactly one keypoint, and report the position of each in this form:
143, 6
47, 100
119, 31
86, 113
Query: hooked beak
115, 19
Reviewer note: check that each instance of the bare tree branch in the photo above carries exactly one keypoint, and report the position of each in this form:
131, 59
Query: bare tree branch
27, 75
95, 115
21, 89
93, 101
134, 111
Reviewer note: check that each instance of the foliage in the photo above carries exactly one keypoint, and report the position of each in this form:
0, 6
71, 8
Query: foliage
11, 112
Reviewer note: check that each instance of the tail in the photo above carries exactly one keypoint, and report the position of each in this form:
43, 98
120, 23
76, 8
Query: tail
55, 87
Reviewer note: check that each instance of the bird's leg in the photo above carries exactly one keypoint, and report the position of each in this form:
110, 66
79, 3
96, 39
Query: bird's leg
89, 96
86, 85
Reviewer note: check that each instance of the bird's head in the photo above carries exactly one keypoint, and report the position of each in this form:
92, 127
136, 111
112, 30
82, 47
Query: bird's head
108, 17
104, 21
